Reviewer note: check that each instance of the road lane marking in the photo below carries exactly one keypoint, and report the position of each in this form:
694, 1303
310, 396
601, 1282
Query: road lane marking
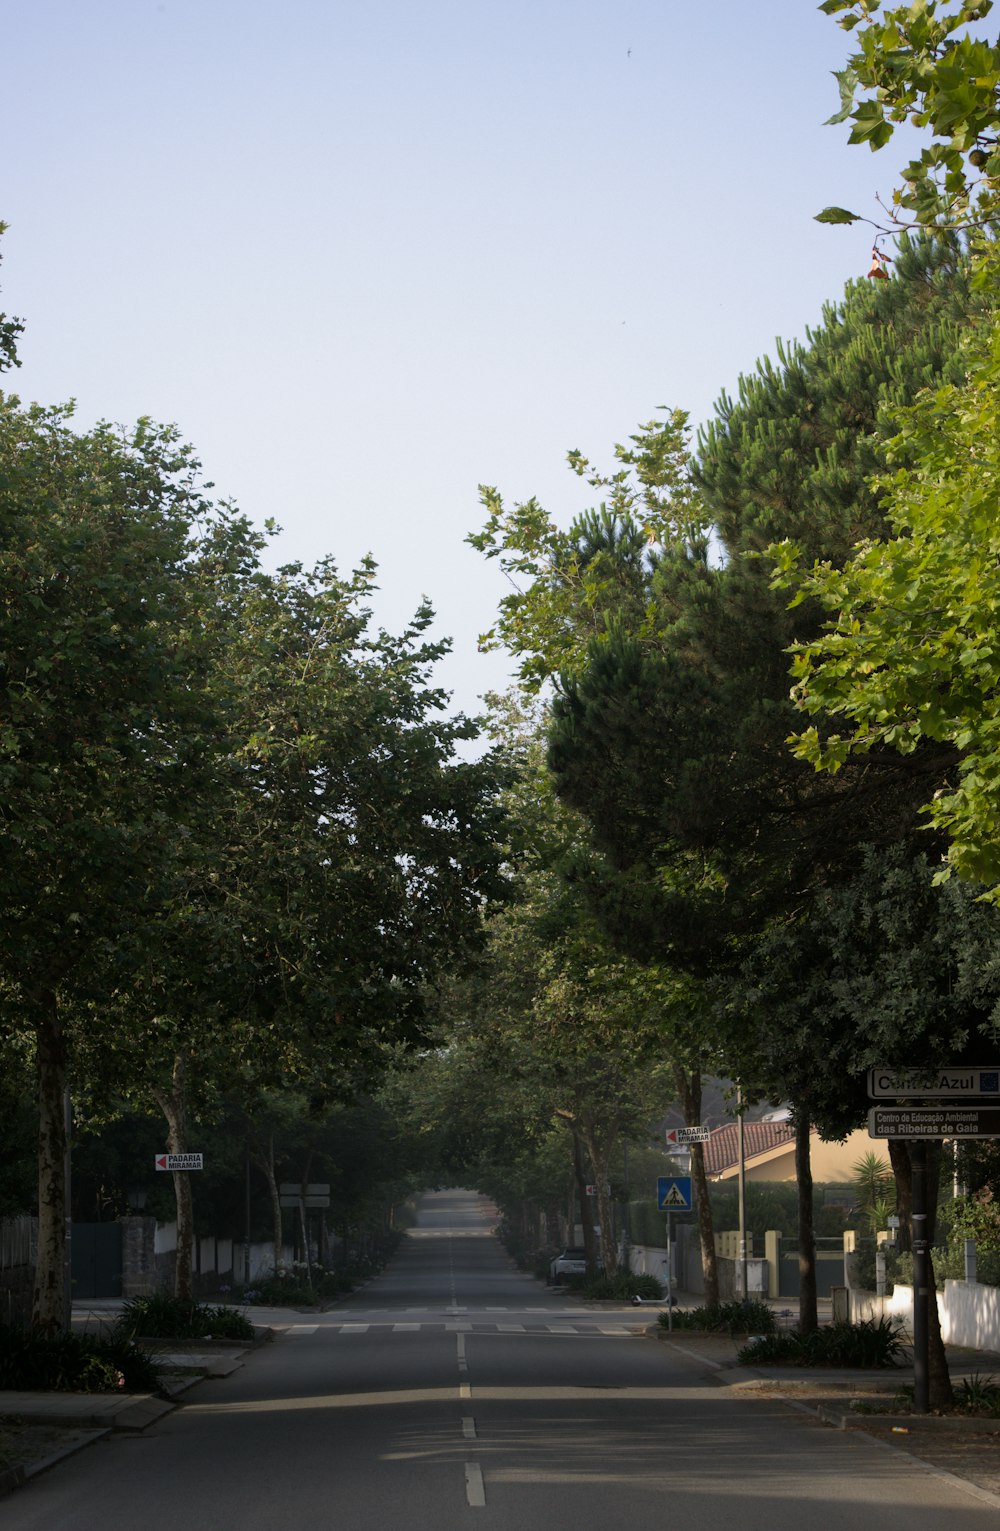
405, 1328
464, 1390
468, 1427
475, 1493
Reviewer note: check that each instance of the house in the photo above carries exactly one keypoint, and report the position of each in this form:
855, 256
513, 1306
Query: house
769, 1153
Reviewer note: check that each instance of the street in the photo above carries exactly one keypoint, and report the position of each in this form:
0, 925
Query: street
453, 1389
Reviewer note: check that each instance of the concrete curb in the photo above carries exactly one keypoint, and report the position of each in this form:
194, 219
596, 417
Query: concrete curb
16, 1477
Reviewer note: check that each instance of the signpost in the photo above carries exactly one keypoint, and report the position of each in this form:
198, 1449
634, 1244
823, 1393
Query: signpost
936, 1084
936, 1116
180, 1161
290, 1194
673, 1194
934, 1122
679, 1136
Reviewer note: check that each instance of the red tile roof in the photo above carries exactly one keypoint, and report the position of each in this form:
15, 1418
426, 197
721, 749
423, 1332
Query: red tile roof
722, 1148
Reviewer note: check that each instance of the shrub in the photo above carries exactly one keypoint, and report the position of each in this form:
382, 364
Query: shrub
622, 1287
869, 1344
747, 1317
163, 1317
292, 1289
73, 1363
978, 1395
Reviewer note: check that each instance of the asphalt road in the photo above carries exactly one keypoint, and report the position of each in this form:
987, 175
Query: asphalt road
454, 1391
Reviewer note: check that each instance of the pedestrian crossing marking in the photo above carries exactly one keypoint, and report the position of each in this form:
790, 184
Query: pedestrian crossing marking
303, 1331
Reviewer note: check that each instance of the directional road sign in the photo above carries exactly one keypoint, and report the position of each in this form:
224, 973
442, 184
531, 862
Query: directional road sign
960, 1083
681, 1135
673, 1193
934, 1122
180, 1161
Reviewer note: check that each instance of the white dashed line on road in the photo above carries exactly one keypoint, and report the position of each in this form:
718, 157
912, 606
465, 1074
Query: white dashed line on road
475, 1492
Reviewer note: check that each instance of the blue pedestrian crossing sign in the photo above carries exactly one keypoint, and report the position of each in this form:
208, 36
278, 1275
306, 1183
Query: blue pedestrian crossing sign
673, 1193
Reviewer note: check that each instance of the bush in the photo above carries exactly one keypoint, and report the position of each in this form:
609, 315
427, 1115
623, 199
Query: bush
292, 1289
73, 1363
747, 1317
163, 1317
870, 1344
978, 1395
622, 1288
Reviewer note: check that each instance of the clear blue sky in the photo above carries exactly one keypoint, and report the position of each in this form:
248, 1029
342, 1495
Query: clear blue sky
370, 255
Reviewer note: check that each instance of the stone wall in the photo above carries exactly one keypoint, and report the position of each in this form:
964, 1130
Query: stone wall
139, 1277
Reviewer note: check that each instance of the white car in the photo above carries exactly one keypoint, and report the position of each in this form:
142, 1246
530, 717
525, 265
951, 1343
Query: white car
572, 1262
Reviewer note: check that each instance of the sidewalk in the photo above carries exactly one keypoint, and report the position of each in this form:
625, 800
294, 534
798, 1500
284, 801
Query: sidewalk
40, 1429
962, 1448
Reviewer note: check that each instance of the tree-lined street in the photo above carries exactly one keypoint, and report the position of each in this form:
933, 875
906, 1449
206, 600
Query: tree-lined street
453, 1387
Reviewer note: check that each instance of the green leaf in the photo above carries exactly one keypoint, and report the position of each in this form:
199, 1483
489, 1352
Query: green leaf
836, 215
847, 83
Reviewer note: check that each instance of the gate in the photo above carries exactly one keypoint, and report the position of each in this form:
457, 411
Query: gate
97, 1259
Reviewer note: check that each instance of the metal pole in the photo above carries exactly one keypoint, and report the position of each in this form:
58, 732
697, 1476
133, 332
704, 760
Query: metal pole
68, 1192
742, 1191
670, 1281
921, 1256
246, 1215
626, 1210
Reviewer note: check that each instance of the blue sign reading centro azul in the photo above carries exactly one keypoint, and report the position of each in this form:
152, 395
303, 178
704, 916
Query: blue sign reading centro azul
673, 1193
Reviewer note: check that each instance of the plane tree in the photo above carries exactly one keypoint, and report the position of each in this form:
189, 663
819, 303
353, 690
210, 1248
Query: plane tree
337, 861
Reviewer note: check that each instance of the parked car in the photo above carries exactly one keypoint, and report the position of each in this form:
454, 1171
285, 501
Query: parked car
572, 1262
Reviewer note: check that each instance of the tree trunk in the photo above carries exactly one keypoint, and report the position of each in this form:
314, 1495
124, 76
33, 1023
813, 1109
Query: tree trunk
688, 1086
586, 1223
940, 1395
599, 1154
899, 1158
173, 1104
265, 1163
49, 1300
303, 1219
808, 1315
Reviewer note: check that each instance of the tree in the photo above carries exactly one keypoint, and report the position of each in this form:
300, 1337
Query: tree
668, 726
908, 655
335, 863
919, 62
236, 829
105, 718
